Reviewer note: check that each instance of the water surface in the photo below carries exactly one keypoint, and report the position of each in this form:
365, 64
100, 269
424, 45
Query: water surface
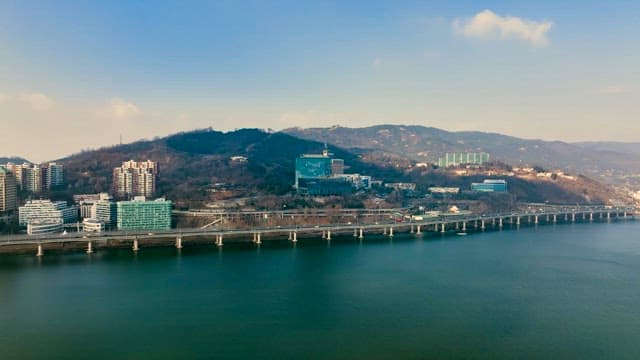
566, 291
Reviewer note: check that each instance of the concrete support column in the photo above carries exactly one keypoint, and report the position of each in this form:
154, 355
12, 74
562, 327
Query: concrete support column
443, 228
412, 229
548, 218
329, 235
566, 217
608, 216
482, 226
219, 242
384, 230
625, 215
555, 219
418, 230
573, 217
179, 242
258, 238
391, 231
295, 237
361, 234
290, 236
464, 226
136, 246
518, 220
535, 220
89, 247
590, 216
324, 234
40, 252
355, 232
475, 224
500, 222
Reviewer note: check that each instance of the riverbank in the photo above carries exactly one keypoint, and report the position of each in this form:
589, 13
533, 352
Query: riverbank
93, 244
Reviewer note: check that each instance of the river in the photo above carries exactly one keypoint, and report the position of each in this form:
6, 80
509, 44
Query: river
564, 291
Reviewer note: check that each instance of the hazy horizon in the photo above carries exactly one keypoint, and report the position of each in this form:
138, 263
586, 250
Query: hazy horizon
76, 76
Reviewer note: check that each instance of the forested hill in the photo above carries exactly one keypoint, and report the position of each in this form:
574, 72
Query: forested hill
191, 162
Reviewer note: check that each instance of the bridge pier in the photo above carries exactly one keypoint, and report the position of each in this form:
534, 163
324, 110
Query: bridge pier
391, 231
518, 220
535, 220
548, 218
361, 236
573, 217
295, 237
566, 217
590, 216
328, 234
40, 252
290, 236
219, 240
555, 218
258, 239
136, 246
179, 242
355, 232
384, 231
443, 230
412, 229
89, 247
418, 230
482, 227
608, 216
324, 235
500, 222
464, 226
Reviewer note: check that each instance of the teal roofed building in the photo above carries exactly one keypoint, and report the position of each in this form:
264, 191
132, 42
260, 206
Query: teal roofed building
141, 214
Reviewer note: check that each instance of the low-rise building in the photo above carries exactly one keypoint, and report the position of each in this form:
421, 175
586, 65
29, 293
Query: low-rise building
490, 186
44, 226
46, 210
93, 225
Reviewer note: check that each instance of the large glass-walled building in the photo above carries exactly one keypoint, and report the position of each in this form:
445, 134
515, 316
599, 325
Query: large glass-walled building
140, 214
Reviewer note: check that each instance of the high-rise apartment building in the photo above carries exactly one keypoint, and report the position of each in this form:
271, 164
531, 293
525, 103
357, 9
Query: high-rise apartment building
37, 178
135, 179
8, 201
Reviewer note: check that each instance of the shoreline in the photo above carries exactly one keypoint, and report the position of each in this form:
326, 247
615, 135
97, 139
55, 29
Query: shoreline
102, 244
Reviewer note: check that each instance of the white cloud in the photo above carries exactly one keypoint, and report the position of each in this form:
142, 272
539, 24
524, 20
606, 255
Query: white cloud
613, 89
376, 64
487, 24
120, 109
36, 101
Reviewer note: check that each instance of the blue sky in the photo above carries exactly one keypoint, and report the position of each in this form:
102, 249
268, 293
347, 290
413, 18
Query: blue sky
88, 71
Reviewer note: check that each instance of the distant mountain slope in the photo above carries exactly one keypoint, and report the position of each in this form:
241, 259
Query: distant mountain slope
13, 159
629, 148
428, 144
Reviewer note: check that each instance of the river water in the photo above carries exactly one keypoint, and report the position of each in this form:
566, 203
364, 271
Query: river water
565, 291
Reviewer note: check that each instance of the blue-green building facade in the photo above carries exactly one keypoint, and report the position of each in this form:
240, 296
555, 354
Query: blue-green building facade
144, 215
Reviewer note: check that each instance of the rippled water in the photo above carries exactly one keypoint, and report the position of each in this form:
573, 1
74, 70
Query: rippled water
569, 291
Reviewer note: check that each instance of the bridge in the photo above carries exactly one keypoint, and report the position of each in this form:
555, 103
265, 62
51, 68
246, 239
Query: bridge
457, 223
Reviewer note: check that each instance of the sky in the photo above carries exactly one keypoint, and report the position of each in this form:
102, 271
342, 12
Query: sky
76, 75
